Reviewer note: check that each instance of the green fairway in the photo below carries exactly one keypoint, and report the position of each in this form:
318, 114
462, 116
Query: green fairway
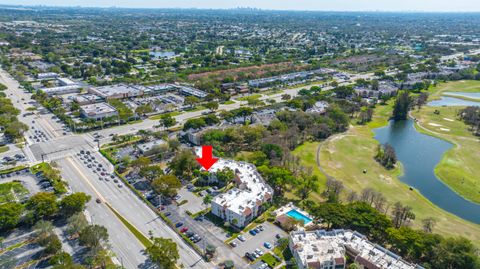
345, 156
460, 165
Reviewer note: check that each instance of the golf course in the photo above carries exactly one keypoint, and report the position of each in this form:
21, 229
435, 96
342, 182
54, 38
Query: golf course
349, 157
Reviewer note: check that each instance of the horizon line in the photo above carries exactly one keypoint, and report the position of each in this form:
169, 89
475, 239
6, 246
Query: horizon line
236, 8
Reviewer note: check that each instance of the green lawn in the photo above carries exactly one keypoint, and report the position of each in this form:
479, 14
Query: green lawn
270, 260
3, 149
460, 165
12, 192
139, 235
252, 96
346, 155
159, 116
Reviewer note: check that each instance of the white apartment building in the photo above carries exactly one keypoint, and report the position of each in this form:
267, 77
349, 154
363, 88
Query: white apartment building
322, 249
240, 205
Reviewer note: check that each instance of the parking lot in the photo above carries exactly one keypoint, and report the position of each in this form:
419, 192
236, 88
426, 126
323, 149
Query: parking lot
194, 204
29, 181
207, 234
253, 242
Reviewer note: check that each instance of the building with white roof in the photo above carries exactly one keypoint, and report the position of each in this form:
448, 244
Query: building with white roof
47, 75
240, 205
322, 249
119, 91
192, 91
65, 81
98, 111
61, 89
318, 107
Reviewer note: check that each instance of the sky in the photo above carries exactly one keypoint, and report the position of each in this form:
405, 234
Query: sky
328, 5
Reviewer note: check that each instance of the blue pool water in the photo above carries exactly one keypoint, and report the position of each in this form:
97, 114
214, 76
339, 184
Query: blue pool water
299, 216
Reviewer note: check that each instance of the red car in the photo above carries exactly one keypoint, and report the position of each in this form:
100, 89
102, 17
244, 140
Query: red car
184, 229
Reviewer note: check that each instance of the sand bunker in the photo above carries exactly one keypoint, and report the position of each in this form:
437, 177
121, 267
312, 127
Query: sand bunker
447, 119
445, 129
434, 124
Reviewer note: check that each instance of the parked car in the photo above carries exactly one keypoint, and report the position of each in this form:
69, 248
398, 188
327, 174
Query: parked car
233, 244
241, 238
168, 214
260, 227
98, 201
252, 232
259, 252
278, 236
250, 256
267, 245
189, 234
263, 266
179, 224
184, 229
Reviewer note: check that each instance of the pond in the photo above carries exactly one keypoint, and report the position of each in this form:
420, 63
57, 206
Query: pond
419, 154
475, 95
452, 101
162, 54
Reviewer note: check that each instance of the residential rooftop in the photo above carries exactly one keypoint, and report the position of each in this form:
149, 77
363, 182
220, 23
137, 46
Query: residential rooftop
251, 188
318, 246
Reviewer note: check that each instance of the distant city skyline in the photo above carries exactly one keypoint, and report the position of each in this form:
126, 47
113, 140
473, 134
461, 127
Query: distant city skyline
318, 5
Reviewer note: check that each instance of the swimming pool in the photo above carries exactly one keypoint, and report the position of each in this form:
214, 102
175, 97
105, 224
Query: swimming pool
299, 216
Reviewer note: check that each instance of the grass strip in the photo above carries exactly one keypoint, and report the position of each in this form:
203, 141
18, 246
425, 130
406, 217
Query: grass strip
139, 235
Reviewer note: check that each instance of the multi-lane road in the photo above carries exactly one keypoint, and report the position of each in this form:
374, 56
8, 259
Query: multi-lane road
47, 139
62, 147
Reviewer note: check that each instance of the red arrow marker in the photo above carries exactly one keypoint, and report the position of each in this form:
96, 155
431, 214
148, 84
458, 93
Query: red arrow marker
207, 159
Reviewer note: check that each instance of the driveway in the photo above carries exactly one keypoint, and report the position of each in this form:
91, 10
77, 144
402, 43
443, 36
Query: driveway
256, 241
210, 234
194, 204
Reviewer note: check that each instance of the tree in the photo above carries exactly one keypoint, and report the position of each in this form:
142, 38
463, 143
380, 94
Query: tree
141, 162
366, 114
144, 109
183, 164
225, 175
10, 214
166, 185
212, 105
401, 215
307, 183
455, 253
207, 200
334, 215
43, 205
386, 156
76, 223
43, 230
93, 236
54, 245
191, 101
428, 224
278, 177
401, 106
73, 203
61, 259
163, 252
151, 172
167, 120
333, 190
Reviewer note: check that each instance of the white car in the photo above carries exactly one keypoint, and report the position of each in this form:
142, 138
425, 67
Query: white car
241, 238
259, 252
